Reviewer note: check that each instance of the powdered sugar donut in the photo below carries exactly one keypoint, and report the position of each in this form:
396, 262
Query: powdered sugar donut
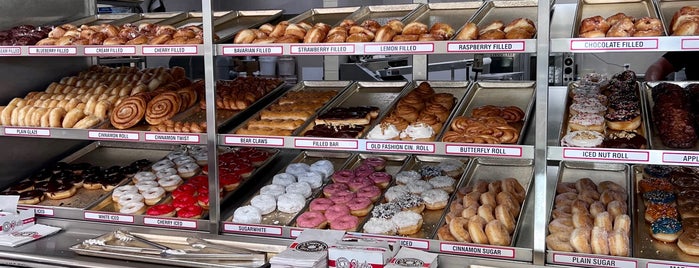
395, 191
290, 202
301, 188
265, 203
380, 226
419, 186
247, 214
297, 169
144, 185
313, 179
323, 167
273, 190
408, 176
283, 179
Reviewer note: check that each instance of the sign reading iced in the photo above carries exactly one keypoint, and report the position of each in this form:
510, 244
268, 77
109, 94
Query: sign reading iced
252, 50
322, 49
169, 50
110, 50
504, 46
399, 48
53, 51
613, 44
254, 140
610, 155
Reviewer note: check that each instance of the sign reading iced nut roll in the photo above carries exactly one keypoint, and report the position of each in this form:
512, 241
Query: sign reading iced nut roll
607, 155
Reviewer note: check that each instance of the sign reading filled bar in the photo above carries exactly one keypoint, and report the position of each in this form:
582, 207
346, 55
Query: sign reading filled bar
613, 44
53, 51
112, 135
472, 47
10, 51
477, 250
108, 217
609, 155
252, 50
110, 50
681, 158
325, 143
252, 229
29, 132
170, 223
169, 50
167, 137
403, 147
322, 49
588, 261
399, 48
254, 140
483, 150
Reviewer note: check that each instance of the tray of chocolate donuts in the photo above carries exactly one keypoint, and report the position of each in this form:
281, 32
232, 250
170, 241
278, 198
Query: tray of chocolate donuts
288, 192
679, 17
672, 107
492, 113
489, 203
592, 212
615, 18
286, 115
667, 218
352, 114
416, 200
421, 113
501, 20
348, 199
606, 113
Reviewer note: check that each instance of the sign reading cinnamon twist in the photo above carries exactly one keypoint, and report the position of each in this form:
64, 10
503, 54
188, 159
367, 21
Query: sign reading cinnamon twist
128, 112
163, 107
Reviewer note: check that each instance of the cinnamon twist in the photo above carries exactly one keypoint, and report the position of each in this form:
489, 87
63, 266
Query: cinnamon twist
163, 107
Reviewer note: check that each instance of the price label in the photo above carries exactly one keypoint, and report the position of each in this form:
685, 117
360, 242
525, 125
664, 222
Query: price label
608, 155
322, 49
295, 233
170, 223
252, 50
326, 144
667, 265
489, 251
176, 138
110, 50
690, 43
376, 146
613, 44
10, 51
94, 216
254, 140
587, 261
682, 158
30, 132
403, 48
112, 135
474, 47
252, 229
53, 51
40, 211
168, 50
483, 150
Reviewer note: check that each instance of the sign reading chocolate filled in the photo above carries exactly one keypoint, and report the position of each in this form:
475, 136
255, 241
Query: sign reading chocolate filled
613, 44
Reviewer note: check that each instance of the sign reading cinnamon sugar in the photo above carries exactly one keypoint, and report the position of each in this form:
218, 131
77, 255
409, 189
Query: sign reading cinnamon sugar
490, 251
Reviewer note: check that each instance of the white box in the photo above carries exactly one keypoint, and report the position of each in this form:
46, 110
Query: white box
408, 257
361, 253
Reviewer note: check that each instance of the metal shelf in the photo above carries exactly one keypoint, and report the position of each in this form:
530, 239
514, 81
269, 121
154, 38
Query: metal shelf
104, 134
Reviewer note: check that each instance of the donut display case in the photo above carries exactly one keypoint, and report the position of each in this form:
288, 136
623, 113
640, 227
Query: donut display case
635, 9
656, 94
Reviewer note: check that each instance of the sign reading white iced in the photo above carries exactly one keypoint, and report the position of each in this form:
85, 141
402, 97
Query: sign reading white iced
504, 46
252, 50
184, 224
252, 229
610, 155
399, 48
53, 51
30, 132
110, 50
169, 50
613, 44
322, 49
254, 140
108, 217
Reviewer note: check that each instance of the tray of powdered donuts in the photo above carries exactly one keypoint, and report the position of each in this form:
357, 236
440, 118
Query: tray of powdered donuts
348, 198
414, 204
287, 193
489, 203
591, 210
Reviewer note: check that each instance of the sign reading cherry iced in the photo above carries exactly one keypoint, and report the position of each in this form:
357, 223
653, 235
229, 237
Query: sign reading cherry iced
184, 224
613, 44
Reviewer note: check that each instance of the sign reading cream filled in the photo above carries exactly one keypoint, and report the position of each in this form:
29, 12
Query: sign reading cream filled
254, 140
110, 50
614, 44
610, 155
252, 50
10, 51
514, 46
53, 51
399, 48
252, 229
591, 261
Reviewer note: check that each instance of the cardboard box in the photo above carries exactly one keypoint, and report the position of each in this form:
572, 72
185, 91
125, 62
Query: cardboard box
361, 253
13, 219
408, 257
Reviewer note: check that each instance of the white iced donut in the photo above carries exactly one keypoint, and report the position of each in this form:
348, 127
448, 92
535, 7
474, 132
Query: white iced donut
144, 176
162, 164
165, 173
188, 170
283, 179
273, 190
130, 197
183, 160
445, 183
170, 183
395, 191
324, 167
176, 154
201, 157
313, 179
247, 214
301, 188
290, 203
265, 203
408, 176
153, 195
121, 190
297, 169
145, 185
133, 208
419, 186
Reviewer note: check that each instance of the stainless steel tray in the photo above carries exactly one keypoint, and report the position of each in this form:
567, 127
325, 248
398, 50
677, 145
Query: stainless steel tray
226, 27
505, 11
383, 13
454, 14
606, 8
520, 94
103, 18
655, 141
279, 218
490, 169
331, 15
152, 18
379, 94
667, 10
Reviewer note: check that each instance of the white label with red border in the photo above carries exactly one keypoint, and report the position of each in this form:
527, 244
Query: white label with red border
399, 48
592, 261
614, 44
690, 43
667, 265
253, 50
110, 50
326, 144
113, 135
168, 50
483, 150
53, 51
108, 217
31, 132
252, 229
514, 46
177, 138
10, 51
477, 250
254, 140
608, 155
322, 49
405, 242
41, 211
378, 146
184, 224
295, 233
683, 158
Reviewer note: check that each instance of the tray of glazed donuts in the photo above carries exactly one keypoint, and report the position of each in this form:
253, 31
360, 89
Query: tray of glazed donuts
489, 203
667, 218
286, 115
348, 199
501, 20
421, 113
672, 108
414, 203
606, 113
288, 192
615, 18
352, 114
591, 212
679, 17
492, 113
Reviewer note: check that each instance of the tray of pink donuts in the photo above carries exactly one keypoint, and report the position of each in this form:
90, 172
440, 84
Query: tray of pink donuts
591, 215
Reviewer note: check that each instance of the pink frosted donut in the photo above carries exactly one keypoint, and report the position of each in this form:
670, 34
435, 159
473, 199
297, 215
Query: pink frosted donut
333, 188
311, 219
359, 206
358, 183
377, 163
342, 197
381, 179
321, 204
363, 171
335, 211
343, 176
372, 192
346, 222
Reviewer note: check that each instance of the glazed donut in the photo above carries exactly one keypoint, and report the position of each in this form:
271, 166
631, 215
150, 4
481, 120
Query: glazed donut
457, 229
582, 220
565, 199
497, 233
153, 195
580, 240
486, 212
559, 242
488, 198
566, 187
604, 220
648, 24
599, 241
495, 187
506, 199
87, 122
622, 223
596, 23
443, 233
132, 208
72, 117
559, 225
512, 186
468, 32
476, 226
618, 243
503, 215
610, 185
469, 211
